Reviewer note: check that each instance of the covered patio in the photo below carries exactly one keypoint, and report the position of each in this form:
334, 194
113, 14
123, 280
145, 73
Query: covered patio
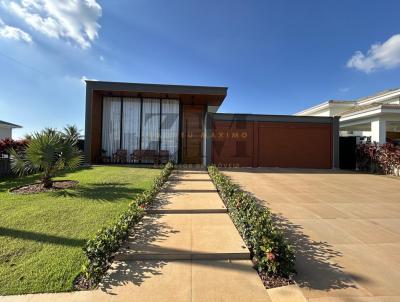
378, 123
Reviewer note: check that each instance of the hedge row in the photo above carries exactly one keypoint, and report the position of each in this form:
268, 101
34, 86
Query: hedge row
270, 251
101, 249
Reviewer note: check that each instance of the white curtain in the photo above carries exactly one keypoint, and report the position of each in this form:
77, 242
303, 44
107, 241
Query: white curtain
131, 124
170, 127
111, 124
150, 124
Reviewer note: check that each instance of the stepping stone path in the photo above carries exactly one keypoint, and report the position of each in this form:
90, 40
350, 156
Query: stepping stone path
185, 249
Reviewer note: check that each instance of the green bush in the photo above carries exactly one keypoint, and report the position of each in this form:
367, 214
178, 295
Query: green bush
101, 249
270, 251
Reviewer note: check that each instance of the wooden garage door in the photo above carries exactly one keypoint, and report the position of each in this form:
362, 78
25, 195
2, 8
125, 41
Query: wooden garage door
294, 145
272, 144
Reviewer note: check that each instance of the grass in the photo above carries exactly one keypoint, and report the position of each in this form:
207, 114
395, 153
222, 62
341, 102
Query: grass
42, 235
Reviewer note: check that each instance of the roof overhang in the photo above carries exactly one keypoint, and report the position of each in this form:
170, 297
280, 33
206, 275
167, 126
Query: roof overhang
370, 112
325, 105
204, 95
380, 97
390, 113
9, 125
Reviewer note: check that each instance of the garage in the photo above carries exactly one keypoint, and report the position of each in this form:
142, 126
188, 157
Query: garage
245, 140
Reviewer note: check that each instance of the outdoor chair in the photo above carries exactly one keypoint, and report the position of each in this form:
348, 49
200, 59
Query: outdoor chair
120, 157
163, 157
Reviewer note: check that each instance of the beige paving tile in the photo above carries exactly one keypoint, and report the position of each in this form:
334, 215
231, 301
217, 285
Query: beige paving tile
290, 293
186, 202
150, 281
390, 224
190, 176
378, 277
226, 281
324, 210
319, 230
356, 299
191, 186
291, 211
185, 236
364, 230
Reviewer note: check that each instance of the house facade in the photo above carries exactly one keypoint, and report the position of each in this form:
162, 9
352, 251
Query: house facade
374, 118
6, 129
142, 122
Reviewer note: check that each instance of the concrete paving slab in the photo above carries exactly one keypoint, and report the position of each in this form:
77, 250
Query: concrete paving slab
290, 293
190, 176
351, 250
231, 281
184, 237
191, 186
364, 230
185, 202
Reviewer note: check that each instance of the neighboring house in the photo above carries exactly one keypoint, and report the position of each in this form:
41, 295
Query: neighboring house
6, 129
181, 121
376, 117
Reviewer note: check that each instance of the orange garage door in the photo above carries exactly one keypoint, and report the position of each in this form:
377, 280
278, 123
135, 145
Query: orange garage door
272, 144
294, 145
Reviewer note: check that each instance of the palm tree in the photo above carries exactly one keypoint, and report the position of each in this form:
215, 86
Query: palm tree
48, 152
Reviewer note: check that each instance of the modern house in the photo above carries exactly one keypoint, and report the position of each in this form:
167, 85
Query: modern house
374, 118
6, 129
144, 122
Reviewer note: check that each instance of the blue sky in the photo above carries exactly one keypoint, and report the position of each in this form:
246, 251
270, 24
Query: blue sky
276, 57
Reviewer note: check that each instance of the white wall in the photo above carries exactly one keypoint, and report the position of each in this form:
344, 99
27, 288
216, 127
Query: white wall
5, 132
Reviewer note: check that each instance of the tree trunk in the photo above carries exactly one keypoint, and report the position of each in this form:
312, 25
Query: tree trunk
47, 182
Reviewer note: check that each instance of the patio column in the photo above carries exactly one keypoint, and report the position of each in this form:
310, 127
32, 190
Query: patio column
378, 129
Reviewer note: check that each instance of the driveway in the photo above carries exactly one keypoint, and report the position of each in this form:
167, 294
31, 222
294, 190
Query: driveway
345, 228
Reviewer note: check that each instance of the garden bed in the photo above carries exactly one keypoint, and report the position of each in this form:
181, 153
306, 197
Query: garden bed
39, 188
271, 254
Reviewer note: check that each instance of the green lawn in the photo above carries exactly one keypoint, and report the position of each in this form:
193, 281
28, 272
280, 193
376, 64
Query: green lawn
42, 235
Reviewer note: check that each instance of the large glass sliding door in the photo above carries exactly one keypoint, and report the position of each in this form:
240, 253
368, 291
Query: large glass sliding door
111, 132
131, 124
142, 126
170, 127
151, 124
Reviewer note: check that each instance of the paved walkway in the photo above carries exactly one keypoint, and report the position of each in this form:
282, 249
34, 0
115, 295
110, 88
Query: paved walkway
346, 227
186, 249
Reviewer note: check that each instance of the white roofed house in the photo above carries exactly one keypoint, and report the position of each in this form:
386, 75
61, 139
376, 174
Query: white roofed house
6, 129
375, 118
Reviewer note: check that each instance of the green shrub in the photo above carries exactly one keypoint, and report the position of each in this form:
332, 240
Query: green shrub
101, 249
270, 251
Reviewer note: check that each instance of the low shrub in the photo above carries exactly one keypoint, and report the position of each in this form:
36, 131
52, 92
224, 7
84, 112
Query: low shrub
101, 249
7, 144
379, 158
270, 251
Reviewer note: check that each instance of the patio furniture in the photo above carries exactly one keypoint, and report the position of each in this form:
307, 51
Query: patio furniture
144, 155
120, 157
163, 156
106, 159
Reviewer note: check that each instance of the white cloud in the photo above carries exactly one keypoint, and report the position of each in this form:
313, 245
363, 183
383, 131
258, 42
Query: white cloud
379, 56
11, 32
73, 20
101, 58
344, 89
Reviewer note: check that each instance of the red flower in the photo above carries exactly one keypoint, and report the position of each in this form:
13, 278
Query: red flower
270, 256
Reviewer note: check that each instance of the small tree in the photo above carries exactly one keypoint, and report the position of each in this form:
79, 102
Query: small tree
48, 152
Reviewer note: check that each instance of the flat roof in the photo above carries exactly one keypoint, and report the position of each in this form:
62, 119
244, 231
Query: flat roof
212, 95
9, 125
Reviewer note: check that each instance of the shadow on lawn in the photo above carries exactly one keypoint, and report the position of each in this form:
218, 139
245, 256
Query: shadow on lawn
108, 191
40, 237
